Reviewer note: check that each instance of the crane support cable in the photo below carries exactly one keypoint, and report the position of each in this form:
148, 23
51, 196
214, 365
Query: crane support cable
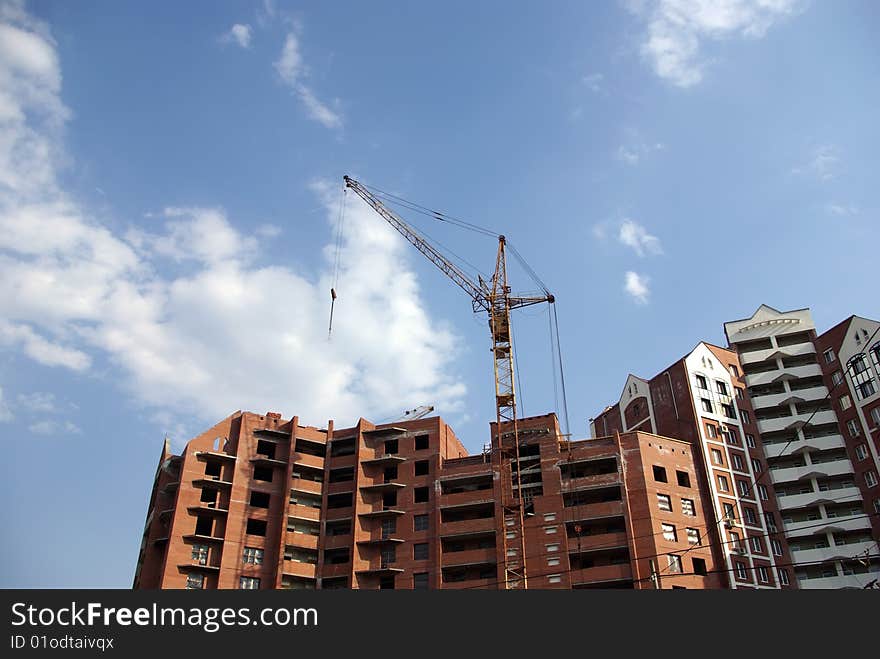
339, 232
561, 372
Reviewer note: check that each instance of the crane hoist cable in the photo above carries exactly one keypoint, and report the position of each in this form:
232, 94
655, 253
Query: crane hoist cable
339, 232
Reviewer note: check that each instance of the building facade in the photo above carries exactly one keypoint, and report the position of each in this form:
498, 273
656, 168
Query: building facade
700, 399
262, 502
816, 406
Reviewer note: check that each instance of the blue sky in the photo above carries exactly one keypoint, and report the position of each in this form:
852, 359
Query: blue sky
170, 182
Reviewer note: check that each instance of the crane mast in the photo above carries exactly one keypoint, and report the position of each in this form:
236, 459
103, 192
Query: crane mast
494, 298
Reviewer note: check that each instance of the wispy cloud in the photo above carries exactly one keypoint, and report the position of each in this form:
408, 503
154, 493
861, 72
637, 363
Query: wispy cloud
268, 231
822, 163
38, 402
636, 286
5, 412
676, 30
634, 152
842, 210
291, 70
594, 82
238, 34
49, 427
634, 235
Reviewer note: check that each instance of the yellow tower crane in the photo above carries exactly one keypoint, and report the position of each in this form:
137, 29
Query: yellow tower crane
493, 297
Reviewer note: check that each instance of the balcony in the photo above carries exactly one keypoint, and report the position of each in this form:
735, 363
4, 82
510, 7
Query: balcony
197, 567
303, 512
593, 511
791, 373
201, 539
381, 512
380, 570
835, 552
209, 481
796, 421
273, 432
826, 443
569, 484
597, 542
204, 456
380, 539
391, 486
832, 524
466, 498
265, 461
298, 569
796, 350
813, 498
467, 527
829, 583
305, 485
302, 540
308, 460
205, 509
384, 460
601, 573
834, 468
469, 557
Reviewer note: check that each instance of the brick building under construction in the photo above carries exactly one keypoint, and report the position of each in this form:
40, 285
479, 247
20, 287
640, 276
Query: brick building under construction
258, 502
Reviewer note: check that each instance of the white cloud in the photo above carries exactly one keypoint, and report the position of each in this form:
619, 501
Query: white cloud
239, 34
268, 231
594, 81
634, 235
291, 70
636, 286
632, 153
676, 30
842, 210
49, 427
5, 412
822, 163
39, 402
196, 320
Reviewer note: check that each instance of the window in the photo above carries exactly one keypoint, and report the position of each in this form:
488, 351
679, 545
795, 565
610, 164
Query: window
870, 478
722, 483
729, 512
687, 507
252, 555
707, 405
734, 542
763, 577
853, 427
422, 468
673, 563
200, 554
737, 461
776, 547
699, 566
421, 495
829, 356
693, 536
683, 479
552, 562
740, 393
750, 440
420, 522
669, 532
721, 387
420, 581
861, 452
877, 505
249, 583
762, 492
701, 382
388, 556
549, 530
552, 547
741, 571
554, 578
195, 581
260, 499
863, 381
728, 410
750, 515
745, 416
734, 371
757, 545
663, 502
731, 436
875, 416
659, 474
716, 457
756, 465
744, 488
549, 517
770, 521
256, 527
389, 527
263, 474
713, 432
391, 447
510, 535
783, 576
837, 378
422, 442
420, 551
845, 402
